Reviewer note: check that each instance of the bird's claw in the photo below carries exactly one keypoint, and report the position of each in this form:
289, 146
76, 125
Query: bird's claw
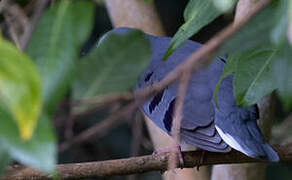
179, 153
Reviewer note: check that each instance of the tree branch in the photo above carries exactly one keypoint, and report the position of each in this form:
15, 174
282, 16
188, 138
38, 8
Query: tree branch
142, 164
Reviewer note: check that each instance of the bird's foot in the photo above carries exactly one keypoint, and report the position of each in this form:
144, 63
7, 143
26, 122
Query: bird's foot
170, 149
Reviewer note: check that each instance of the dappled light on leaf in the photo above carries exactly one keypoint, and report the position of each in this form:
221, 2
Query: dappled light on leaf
20, 88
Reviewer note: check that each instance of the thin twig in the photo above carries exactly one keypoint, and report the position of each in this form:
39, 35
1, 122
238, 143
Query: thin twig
3, 5
137, 134
11, 29
69, 124
137, 137
134, 165
16, 21
182, 89
103, 100
83, 106
99, 129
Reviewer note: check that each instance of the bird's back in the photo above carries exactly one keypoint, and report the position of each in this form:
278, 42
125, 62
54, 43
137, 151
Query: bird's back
197, 126
203, 125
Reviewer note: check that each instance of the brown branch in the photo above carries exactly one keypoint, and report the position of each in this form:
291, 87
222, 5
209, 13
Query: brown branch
137, 136
86, 105
134, 165
182, 89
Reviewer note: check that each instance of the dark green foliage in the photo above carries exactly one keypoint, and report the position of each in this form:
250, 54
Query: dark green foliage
55, 46
197, 14
113, 66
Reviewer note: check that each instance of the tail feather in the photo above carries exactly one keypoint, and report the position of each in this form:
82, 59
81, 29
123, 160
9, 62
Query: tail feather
271, 154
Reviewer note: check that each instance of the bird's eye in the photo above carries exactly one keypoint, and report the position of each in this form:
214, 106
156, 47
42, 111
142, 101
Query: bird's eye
148, 76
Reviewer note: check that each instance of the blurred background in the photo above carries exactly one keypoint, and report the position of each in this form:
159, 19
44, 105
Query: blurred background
130, 136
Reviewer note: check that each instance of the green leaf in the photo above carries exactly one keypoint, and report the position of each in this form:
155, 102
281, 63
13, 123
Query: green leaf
229, 68
281, 37
258, 71
114, 66
253, 76
55, 46
289, 25
282, 73
278, 34
19, 88
255, 34
197, 14
38, 152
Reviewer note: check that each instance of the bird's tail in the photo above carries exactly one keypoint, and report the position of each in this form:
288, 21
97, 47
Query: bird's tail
271, 154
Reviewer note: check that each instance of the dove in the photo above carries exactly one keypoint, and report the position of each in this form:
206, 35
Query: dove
205, 125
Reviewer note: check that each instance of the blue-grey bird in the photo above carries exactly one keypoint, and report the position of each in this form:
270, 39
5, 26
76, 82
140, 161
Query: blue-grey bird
204, 125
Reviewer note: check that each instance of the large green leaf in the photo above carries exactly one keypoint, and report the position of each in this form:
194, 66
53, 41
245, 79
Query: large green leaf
282, 67
253, 76
255, 34
229, 68
197, 14
250, 57
19, 88
39, 151
279, 31
113, 66
56, 43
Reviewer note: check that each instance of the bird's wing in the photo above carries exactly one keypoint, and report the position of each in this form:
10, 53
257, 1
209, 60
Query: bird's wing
197, 127
193, 131
238, 126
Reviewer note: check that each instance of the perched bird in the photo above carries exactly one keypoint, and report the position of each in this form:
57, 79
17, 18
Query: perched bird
204, 125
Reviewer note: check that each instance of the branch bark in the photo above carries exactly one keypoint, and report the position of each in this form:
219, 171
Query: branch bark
142, 164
